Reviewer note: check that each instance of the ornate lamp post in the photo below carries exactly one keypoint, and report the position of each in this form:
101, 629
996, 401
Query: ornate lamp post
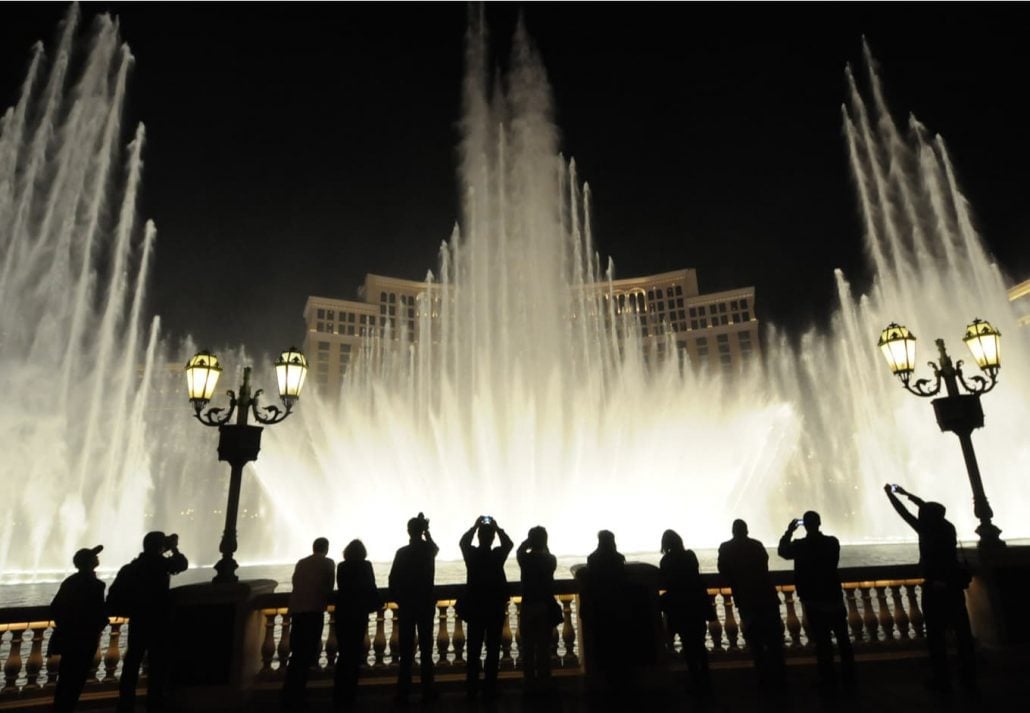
239, 442
956, 412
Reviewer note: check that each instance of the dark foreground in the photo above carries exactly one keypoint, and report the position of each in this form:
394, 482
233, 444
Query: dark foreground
887, 683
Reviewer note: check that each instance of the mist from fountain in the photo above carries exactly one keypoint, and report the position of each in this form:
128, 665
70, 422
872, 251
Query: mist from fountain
518, 400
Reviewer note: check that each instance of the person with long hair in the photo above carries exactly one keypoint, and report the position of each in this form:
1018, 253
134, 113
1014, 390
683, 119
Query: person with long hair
356, 597
687, 606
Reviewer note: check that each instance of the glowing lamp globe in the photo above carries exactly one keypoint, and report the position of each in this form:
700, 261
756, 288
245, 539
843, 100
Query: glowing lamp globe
291, 368
984, 341
202, 373
898, 346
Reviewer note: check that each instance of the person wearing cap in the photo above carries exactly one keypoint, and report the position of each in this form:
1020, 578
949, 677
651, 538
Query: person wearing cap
943, 599
149, 617
79, 617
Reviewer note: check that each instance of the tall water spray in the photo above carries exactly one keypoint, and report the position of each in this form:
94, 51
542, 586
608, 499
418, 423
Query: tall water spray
76, 351
518, 400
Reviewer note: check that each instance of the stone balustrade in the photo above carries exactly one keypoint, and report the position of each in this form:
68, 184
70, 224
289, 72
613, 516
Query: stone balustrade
882, 605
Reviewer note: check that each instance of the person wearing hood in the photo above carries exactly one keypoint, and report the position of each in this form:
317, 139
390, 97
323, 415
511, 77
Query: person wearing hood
943, 598
79, 617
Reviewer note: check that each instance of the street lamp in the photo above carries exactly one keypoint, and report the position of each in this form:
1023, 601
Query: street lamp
239, 443
956, 412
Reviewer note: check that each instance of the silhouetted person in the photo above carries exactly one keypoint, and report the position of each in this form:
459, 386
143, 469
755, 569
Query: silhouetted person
687, 606
149, 611
744, 563
540, 611
944, 603
485, 602
356, 597
312, 587
609, 606
79, 615
818, 585
411, 586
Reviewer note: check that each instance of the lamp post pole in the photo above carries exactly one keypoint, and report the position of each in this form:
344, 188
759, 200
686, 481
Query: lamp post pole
239, 443
956, 412
961, 414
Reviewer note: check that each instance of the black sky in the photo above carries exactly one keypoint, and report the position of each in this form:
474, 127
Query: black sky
300, 146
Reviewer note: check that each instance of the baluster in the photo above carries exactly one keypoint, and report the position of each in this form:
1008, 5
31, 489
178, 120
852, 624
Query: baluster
443, 640
53, 666
885, 618
35, 661
395, 633
732, 628
114, 654
12, 667
714, 627
459, 641
568, 633
94, 667
506, 637
793, 623
283, 650
868, 615
854, 618
914, 613
555, 639
518, 631
379, 642
806, 629
267, 646
900, 615
332, 646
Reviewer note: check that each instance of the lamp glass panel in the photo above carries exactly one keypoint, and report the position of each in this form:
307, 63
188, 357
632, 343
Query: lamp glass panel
899, 349
984, 342
202, 374
290, 371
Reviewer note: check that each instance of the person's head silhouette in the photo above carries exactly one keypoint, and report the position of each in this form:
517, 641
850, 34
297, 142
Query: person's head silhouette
154, 543
931, 513
320, 546
606, 541
671, 542
85, 560
739, 529
812, 521
537, 539
355, 551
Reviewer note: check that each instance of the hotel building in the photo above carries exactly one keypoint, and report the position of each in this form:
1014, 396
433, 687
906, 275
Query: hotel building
716, 328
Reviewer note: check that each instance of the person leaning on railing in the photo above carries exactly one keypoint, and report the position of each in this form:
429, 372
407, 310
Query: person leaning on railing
312, 587
943, 600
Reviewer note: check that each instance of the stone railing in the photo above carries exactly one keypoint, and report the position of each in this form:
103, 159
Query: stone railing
882, 603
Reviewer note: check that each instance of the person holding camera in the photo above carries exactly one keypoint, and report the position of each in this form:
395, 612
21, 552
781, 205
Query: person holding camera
818, 585
485, 602
943, 598
411, 586
141, 591
540, 612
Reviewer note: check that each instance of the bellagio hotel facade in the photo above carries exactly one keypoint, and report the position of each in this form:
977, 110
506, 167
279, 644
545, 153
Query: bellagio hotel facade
715, 329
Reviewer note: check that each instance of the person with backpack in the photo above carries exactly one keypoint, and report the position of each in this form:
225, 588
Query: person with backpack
943, 598
141, 591
79, 618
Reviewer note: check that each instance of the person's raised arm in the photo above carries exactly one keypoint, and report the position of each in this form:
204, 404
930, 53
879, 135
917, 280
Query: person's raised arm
900, 507
522, 552
466, 540
506, 543
433, 547
786, 547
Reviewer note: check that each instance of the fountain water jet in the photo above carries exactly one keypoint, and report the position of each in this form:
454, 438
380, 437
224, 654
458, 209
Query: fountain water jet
518, 400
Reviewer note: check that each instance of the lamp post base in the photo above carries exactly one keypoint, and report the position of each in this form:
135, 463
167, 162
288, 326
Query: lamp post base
226, 571
990, 537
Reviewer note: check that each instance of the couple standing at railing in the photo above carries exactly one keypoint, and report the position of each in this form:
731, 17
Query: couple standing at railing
482, 606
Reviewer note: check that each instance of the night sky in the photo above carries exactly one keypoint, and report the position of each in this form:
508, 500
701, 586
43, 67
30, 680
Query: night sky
301, 146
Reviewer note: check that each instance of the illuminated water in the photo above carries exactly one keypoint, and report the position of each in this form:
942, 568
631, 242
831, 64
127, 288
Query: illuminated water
519, 403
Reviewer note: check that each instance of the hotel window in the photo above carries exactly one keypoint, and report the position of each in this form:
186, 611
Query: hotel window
701, 310
745, 316
320, 327
682, 315
669, 292
393, 298
323, 346
345, 349
693, 324
329, 327
350, 330
330, 314
679, 290
733, 305
350, 318
679, 301
722, 306
704, 323
693, 312
723, 319
702, 346
320, 314
743, 303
